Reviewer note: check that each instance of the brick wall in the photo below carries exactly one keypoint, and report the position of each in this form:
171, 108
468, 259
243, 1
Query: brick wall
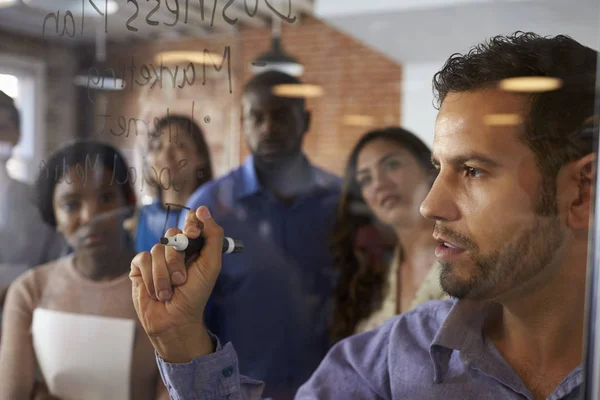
355, 79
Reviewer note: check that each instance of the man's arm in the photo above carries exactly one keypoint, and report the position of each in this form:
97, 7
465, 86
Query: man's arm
192, 362
354, 368
161, 392
170, 299
211, 377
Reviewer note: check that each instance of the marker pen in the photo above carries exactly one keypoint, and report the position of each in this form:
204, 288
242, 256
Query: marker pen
193, 246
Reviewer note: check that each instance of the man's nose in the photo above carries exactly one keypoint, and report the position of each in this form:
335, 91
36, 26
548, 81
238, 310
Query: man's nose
439, 204
266, 125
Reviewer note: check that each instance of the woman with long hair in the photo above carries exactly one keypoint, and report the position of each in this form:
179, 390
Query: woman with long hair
177, 162
73, 319
388, 174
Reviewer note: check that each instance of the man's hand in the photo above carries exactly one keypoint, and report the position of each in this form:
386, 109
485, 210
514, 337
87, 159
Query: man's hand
170, 298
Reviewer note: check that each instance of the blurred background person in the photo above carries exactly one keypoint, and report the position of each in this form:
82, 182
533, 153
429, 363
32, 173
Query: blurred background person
389, 173
177, 163
277, 293
65, 317
25, 241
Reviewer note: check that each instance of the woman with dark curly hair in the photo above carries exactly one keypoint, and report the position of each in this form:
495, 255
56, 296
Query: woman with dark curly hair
73, 317
388, 174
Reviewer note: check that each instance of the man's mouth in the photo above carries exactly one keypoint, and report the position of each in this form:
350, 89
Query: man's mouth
450, 245
271, 146
446, 250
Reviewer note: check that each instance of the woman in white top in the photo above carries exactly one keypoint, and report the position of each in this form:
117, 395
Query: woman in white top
73, 319
388, 174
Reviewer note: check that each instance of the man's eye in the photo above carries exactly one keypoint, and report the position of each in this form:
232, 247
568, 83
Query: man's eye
472, 172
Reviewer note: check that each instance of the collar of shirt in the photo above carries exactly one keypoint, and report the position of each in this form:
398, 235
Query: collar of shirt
249, 184
462, 330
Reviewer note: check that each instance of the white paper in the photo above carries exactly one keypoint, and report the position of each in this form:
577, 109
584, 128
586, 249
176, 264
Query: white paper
84, 357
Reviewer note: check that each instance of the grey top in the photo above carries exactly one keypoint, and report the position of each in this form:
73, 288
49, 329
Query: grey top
25, 240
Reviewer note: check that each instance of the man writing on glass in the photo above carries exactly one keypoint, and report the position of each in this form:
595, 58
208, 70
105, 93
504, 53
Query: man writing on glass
511, 204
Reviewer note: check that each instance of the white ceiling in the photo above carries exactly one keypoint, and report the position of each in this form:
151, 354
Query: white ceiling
420, 31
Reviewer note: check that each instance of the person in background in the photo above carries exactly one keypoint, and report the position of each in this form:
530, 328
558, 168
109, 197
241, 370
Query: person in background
67, 316
277, 293
177, 163
390, 172
24, 240
512, 206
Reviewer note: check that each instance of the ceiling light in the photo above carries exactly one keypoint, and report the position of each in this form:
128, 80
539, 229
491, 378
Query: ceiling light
502, 119
96, 74
100, 81
304, 90
358, 120
112, 7
530, 84
8, 3
197, 57
278, 60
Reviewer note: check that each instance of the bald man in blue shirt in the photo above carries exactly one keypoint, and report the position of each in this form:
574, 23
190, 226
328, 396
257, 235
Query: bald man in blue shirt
272, 301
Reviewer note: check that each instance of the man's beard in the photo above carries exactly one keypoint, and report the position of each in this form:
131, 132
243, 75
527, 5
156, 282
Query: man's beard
516, 262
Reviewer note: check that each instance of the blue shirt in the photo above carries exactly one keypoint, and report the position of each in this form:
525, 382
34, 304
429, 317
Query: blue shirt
436, 351
273, 300
151, 222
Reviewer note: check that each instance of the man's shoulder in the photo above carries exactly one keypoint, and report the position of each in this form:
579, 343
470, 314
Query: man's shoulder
425, 319
417, 327
404, 339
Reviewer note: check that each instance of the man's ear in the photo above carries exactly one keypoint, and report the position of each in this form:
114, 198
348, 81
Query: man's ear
307, 118
584, 177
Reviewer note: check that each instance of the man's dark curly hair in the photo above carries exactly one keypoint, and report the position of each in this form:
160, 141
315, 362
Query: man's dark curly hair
553, 119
